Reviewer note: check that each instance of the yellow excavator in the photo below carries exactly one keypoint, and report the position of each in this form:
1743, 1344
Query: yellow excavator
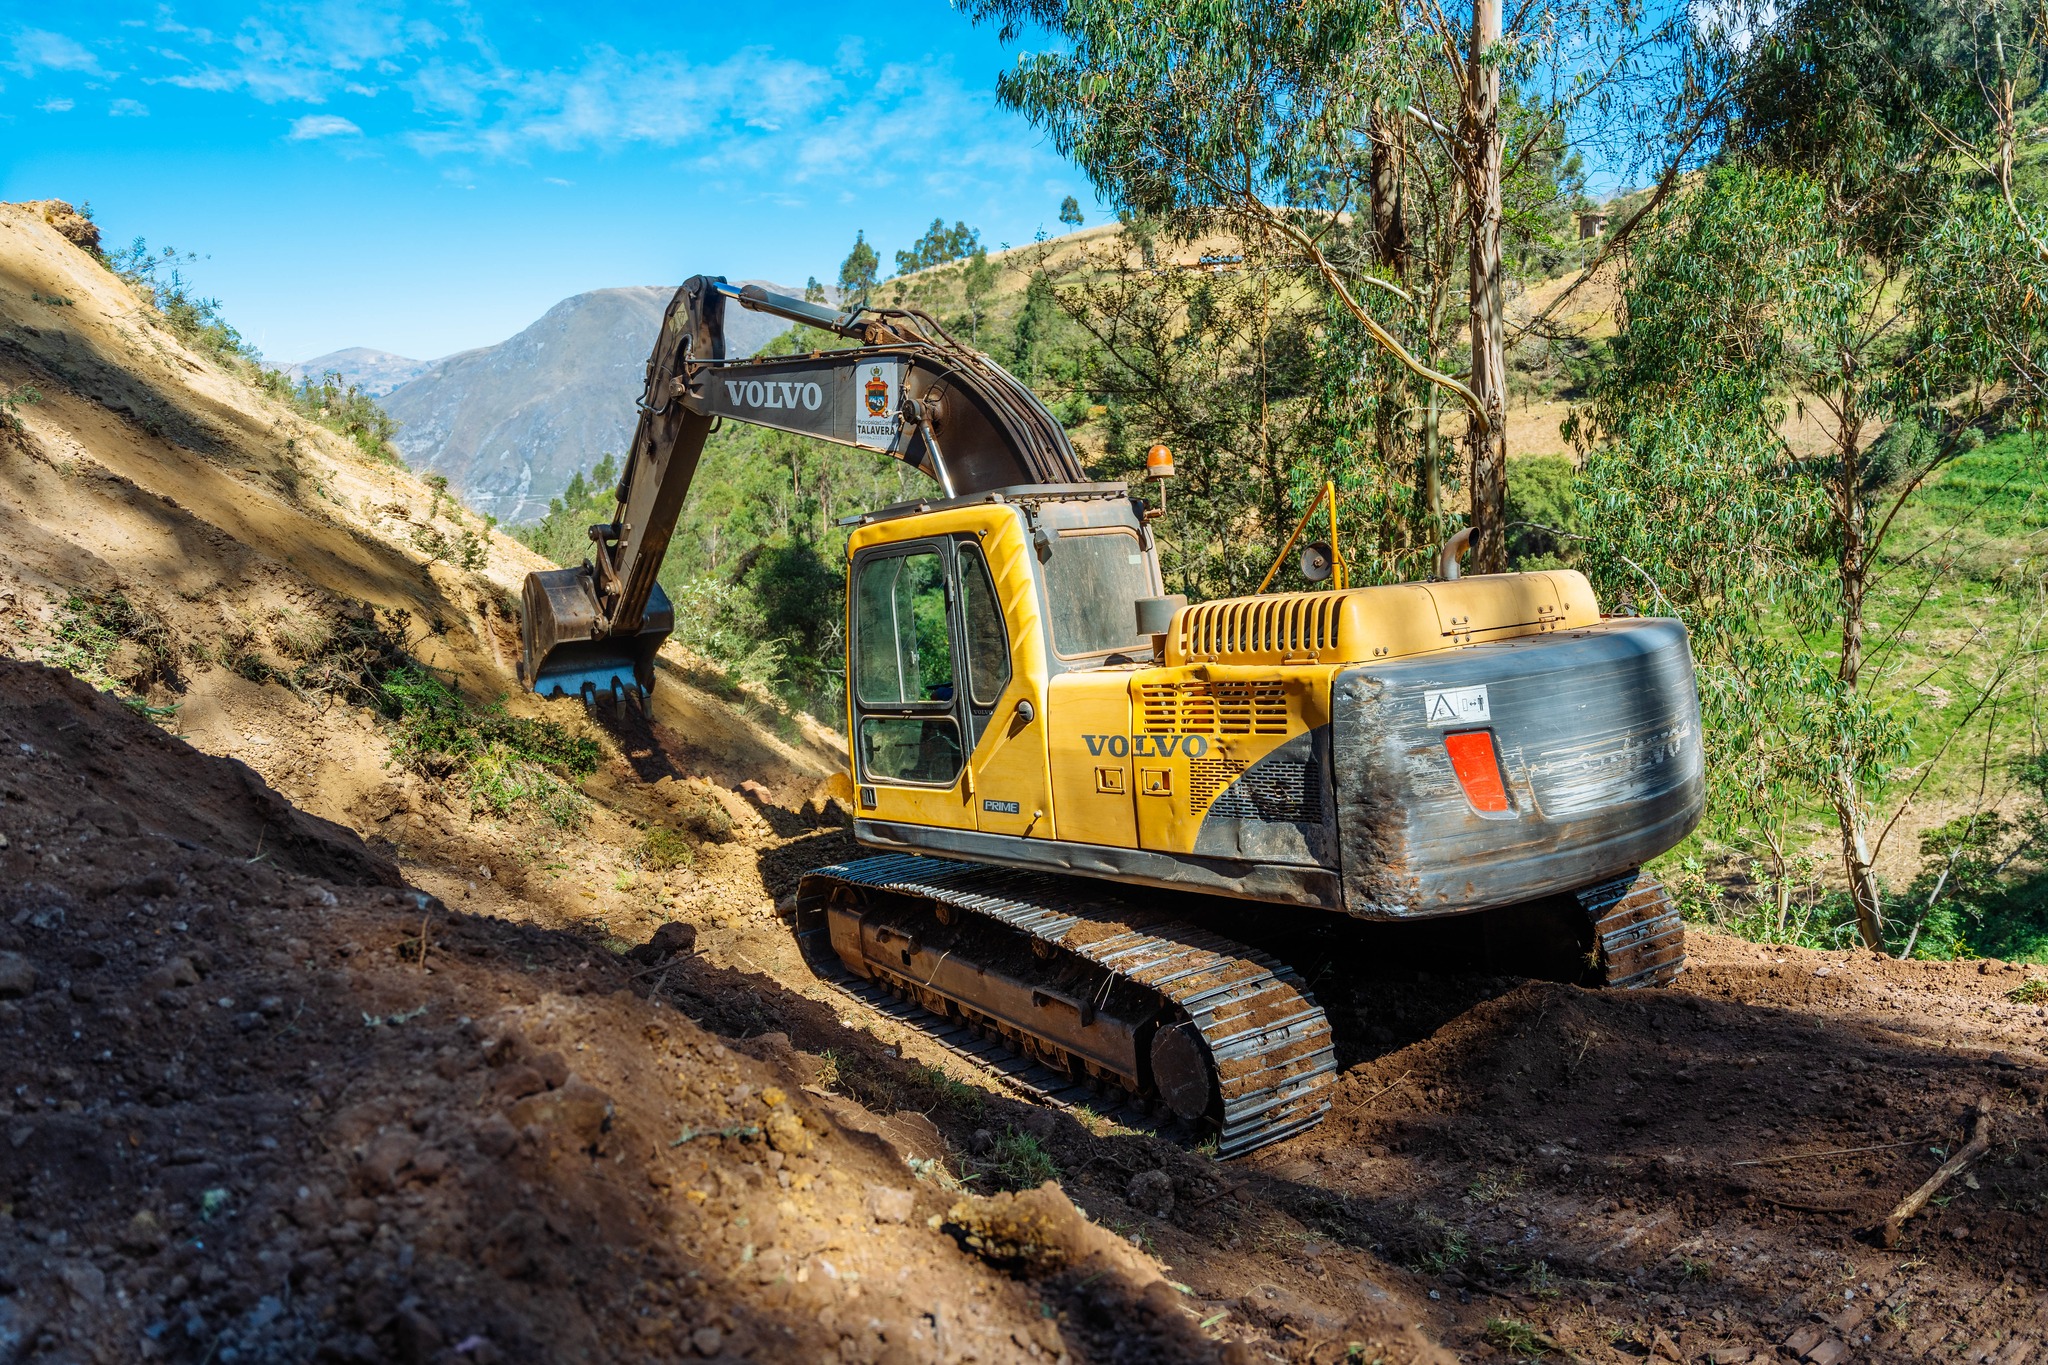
1065, 771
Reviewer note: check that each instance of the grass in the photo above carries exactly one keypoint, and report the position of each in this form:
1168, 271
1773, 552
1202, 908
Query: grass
663, 850
1518, 1338
504, 763
2030, 992
1453, 1251
109, 643
1020, 1162
2002, 486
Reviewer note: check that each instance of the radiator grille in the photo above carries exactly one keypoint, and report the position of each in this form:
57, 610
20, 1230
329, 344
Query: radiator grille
1213, 708
1277, 792
1294, 626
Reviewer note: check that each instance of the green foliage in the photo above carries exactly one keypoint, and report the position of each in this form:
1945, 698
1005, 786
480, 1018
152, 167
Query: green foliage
978, 282
663, 850
1983, 884
340, 407
563, 535
857, 273
1544, 520
1019, 1161
501, 762
1518, 1338
1070, 212
112, 644
1758, 288
756, 567
940, 245
196, 321
19, 396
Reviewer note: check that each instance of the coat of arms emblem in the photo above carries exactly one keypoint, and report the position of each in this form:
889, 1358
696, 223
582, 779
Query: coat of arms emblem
877, 391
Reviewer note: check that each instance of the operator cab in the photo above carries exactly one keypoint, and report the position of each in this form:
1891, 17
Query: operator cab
960, 614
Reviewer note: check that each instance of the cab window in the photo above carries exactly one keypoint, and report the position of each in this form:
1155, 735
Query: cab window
1093, 578
903, 671
904, 650
988, 649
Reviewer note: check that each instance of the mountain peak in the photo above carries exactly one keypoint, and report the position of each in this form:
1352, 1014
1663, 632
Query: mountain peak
510, 424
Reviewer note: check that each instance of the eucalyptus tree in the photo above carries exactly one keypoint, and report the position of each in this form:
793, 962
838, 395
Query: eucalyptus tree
1858, 259
1284, 118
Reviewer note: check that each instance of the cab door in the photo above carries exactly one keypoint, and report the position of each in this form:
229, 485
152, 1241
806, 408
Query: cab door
1003, 696
910, 725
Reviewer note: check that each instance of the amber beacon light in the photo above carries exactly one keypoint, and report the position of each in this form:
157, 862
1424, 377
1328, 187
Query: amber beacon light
1159, 463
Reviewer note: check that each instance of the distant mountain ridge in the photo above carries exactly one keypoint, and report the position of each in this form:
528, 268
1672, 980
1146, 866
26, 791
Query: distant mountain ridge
374, 372
509, 425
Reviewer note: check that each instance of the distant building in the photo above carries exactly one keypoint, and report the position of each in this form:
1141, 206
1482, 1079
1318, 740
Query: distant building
1592, 224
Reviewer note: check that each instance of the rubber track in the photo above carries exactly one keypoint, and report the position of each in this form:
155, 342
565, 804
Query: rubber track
1637, 932
1270, 1042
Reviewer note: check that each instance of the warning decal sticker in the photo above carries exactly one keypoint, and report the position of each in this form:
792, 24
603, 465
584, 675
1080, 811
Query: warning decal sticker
1457, 706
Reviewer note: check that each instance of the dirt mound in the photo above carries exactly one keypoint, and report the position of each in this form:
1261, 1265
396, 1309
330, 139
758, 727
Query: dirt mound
263, 1114
73, 226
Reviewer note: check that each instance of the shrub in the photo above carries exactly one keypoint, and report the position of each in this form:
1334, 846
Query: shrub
500, 761
1543, 511
196, 321
1020, 1162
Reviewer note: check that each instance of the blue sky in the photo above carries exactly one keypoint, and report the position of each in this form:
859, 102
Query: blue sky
426, 177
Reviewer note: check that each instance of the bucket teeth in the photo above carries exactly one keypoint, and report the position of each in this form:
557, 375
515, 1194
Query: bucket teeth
1268, 1042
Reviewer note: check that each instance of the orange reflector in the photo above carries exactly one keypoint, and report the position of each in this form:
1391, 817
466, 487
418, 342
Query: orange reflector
1478, 770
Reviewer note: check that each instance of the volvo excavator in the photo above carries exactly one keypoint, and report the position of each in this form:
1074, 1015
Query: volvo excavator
1060, 768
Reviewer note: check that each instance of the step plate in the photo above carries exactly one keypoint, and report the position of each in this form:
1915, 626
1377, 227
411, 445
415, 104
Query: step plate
1271, 1044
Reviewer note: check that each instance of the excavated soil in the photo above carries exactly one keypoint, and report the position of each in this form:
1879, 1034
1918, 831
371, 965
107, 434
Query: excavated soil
309, 1060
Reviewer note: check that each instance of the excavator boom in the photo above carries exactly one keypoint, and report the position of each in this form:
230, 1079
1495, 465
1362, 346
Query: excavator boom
905, 388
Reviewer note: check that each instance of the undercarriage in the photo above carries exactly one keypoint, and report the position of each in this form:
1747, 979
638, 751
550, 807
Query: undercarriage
1098, 993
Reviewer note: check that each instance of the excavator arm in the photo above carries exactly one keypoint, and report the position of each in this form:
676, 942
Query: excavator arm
905, 388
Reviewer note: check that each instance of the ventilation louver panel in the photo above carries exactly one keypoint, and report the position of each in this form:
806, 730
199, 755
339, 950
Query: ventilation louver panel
1278, 791
1299, 626
1202, 707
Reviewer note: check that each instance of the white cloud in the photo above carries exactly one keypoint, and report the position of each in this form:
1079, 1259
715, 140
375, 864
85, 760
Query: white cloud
306, 53
322, 125
37, 49
128, 109
55, 106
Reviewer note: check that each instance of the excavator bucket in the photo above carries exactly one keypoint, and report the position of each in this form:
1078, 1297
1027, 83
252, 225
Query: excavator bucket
564, 654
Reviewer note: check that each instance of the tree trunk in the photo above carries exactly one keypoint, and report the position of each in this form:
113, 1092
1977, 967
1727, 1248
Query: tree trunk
1430, 487
1482, 139
1863, 886
1389, 213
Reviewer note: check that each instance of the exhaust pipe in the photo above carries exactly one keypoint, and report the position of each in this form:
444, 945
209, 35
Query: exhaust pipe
1453, 550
